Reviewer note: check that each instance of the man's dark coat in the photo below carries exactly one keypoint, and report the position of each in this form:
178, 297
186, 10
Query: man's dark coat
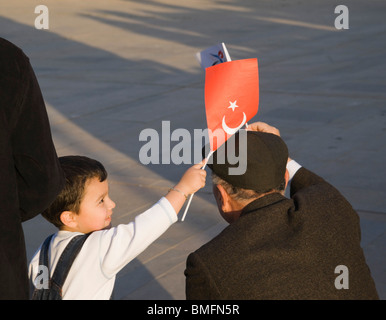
30, 174
283, 248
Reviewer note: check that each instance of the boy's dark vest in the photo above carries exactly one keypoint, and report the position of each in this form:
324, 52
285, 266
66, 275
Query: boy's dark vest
55, 284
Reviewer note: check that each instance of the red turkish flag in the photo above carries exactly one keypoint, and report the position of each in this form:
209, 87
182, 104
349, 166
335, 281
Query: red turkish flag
231, 98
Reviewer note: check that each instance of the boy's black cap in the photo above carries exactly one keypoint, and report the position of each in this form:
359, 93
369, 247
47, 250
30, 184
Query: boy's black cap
266, 159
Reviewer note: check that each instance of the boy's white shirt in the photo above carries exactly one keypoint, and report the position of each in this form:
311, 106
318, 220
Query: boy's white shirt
106, 252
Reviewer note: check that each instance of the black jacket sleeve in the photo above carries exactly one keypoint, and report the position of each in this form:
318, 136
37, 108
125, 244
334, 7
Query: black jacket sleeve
305, 178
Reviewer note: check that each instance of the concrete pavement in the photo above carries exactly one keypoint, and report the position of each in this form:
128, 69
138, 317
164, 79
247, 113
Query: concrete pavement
110, 69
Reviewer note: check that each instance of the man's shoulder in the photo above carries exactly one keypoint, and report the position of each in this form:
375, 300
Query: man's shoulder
216, 242
224, 246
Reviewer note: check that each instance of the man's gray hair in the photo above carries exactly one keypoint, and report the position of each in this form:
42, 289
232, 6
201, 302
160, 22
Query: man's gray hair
240, 194
235, 192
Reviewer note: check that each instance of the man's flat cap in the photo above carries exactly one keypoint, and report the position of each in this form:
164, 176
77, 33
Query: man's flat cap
263, 155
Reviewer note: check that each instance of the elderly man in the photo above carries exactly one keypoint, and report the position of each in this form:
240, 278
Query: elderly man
305, 247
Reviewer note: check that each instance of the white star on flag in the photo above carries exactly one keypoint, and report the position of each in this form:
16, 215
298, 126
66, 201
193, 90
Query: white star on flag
233, 105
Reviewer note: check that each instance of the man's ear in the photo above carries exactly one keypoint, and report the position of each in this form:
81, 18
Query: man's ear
68, 218
225, 200
286, 177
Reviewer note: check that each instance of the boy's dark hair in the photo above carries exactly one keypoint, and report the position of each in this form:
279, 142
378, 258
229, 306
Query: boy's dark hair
77, 171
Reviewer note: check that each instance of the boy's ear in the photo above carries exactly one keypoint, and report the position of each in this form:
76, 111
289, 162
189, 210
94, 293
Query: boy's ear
68, 218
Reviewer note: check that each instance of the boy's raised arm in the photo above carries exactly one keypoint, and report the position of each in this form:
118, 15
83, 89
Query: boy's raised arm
192, 180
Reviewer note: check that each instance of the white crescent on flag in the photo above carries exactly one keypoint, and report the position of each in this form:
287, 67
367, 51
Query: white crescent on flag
231, 131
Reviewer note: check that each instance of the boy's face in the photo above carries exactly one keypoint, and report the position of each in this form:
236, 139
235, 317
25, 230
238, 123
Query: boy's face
96, 207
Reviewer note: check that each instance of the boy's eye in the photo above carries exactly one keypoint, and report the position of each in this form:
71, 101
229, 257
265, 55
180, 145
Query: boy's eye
101, 201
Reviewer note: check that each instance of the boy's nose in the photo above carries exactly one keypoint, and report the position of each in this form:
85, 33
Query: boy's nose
112, 204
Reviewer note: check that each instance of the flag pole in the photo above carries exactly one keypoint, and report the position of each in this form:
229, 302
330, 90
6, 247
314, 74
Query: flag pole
191, 196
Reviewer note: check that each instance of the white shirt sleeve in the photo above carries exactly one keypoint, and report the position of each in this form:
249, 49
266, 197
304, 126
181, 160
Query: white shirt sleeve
121, 244
292, 167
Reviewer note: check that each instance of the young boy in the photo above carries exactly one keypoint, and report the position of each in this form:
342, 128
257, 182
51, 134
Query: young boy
84, 206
